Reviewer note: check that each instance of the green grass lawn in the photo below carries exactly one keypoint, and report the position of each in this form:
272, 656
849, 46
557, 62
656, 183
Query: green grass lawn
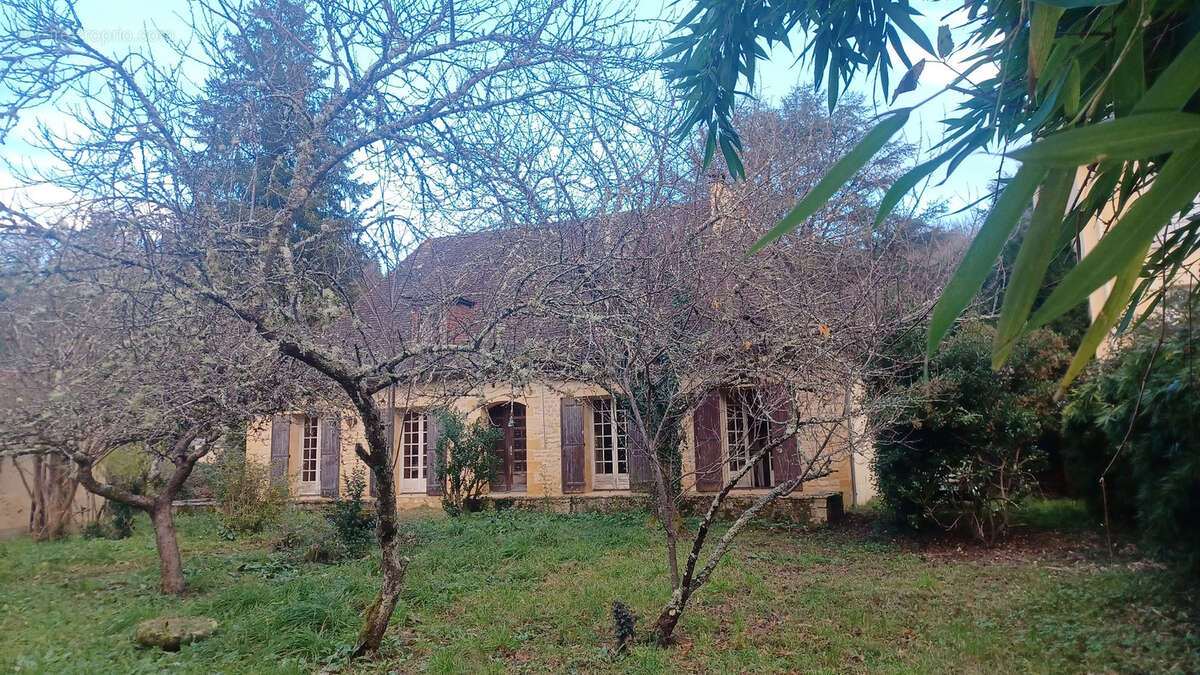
531, 592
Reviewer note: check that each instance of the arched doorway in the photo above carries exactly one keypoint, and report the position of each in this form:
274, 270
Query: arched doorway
511, 468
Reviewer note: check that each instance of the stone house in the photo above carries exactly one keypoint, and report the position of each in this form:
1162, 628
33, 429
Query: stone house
565, 444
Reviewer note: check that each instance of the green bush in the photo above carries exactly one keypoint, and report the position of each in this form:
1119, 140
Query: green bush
961, 448
350, 520
247, 499
467, 461
308, 537
1142, 402
344, 530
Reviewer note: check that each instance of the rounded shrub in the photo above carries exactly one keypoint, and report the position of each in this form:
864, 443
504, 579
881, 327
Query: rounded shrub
961, 448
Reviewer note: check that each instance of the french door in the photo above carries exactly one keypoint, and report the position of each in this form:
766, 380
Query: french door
511, 467
310, 457
413, 431
746, 432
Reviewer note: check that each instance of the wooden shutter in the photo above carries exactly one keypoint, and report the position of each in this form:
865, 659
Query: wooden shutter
641, 477
706, 427
331, 451
785, 462
281, 430
433, 432
573, 461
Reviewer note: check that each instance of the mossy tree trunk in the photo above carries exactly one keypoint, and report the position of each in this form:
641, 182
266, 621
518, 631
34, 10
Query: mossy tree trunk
393, 566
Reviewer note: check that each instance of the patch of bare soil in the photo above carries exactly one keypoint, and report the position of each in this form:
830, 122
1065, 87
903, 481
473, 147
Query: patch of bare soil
1019, 548
1023, 546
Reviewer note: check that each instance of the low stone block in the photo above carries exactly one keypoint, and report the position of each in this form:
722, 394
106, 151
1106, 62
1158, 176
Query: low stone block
170, 632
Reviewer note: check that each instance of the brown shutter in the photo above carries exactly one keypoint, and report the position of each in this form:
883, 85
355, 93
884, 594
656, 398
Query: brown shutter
331, 451
433, 432
785, 462
706, 427
572, 445
281, 429
641, 478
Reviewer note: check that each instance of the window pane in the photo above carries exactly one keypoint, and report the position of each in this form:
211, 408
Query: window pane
602, 435
735, 430
308, 454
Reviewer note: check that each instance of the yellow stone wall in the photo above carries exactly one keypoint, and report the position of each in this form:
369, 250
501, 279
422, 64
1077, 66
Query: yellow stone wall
543, 446
15, 503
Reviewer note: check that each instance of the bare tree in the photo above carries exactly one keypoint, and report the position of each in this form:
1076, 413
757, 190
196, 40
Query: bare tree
462, 114
100, 361
660, 308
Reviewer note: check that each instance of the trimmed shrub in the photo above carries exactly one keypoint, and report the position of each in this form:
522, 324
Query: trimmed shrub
961, 449
1138, 411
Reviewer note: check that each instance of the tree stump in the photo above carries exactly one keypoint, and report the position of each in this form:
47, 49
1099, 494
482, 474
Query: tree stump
169, 632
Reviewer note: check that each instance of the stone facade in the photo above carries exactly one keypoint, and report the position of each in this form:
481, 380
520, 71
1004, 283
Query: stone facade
544, 456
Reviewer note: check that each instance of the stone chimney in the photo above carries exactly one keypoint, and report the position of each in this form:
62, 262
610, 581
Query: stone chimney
719, 193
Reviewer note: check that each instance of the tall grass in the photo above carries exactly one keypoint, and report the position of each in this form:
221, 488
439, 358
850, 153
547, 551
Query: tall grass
531, 592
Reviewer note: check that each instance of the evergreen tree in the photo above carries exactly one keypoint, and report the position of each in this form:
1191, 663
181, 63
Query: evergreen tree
259, 108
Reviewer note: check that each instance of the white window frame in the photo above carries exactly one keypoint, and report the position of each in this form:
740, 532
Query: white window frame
414, 430
310, 465
606, 471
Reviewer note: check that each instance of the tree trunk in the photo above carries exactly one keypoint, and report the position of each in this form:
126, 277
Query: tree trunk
169, 561
159, 507
62, 489
37, 500
51, 495
379, 614
667, 511
664, 628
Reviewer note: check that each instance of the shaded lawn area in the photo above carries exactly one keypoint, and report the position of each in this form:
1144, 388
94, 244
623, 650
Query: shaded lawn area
532, 592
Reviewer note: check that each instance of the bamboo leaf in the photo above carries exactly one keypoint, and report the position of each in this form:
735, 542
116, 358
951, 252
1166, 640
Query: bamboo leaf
1176, 85
1070, 93
1029, 269
945, 42
1043, 24
910, 79
1124, 139
898, 13
983, 251
1105, 319
732, 161
836, 177
1174, 189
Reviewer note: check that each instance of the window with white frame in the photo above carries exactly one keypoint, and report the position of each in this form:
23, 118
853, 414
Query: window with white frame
309, 450
746, 430
609, 446
413, 431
